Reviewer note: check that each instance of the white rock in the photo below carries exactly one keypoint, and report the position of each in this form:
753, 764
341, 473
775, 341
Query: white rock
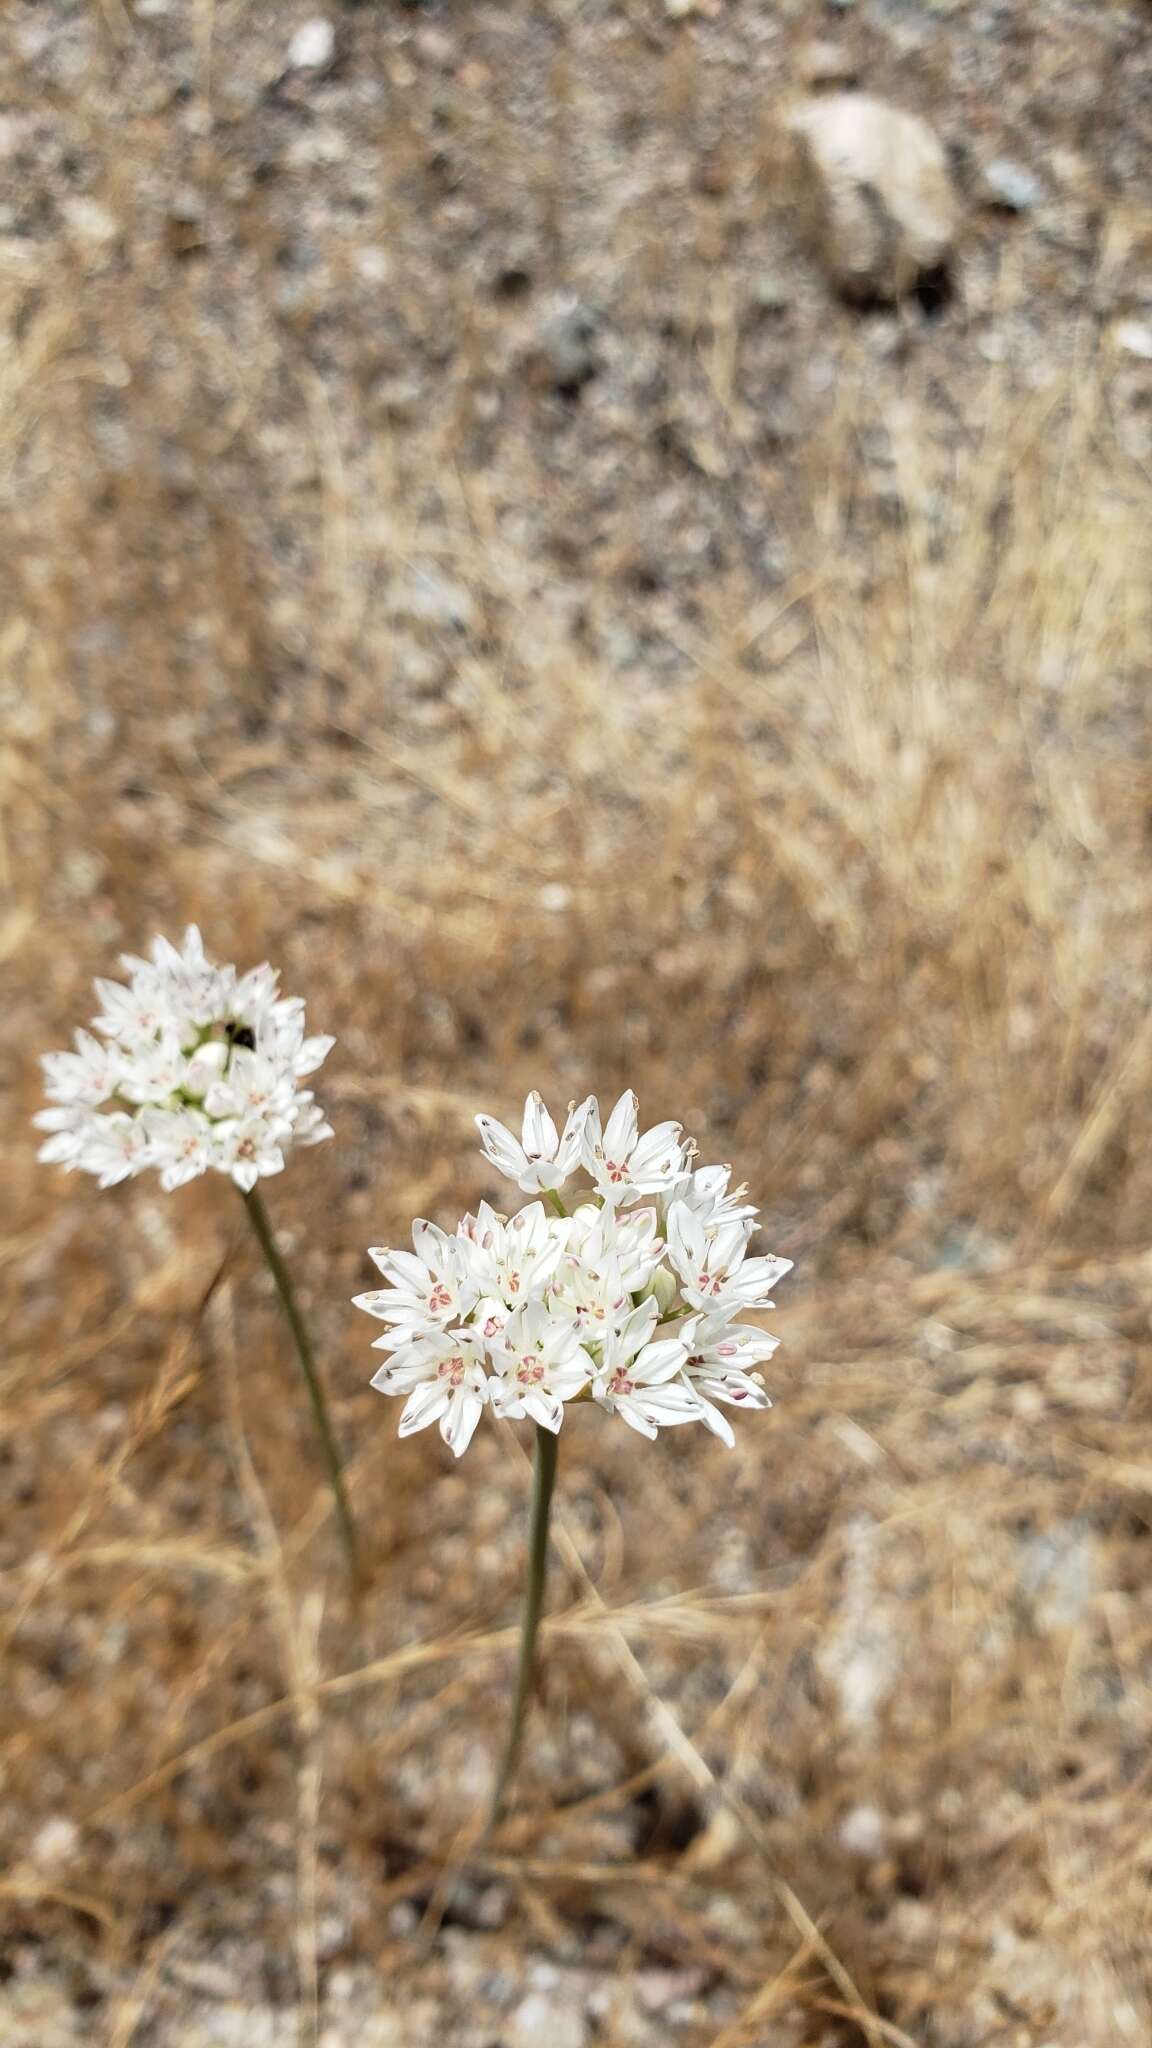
863, 1833
1134, 337
313, 46
57, 1841
1010, 185
90, 222
437, 600
540, 2020
1059, 1574
881, 192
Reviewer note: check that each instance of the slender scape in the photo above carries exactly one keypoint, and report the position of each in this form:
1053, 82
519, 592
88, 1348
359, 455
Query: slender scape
543, 1481
258, 1217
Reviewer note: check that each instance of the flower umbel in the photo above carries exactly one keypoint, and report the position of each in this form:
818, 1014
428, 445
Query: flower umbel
629, 1292
195, 1068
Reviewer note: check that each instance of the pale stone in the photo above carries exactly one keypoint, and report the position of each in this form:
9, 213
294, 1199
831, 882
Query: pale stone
881, 191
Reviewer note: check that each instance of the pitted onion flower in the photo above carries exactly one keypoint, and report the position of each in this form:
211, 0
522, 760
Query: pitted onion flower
626, 1294
196, 1069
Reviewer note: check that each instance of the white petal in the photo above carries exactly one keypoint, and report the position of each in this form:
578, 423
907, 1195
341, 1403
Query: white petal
658, 1362
423, 1407
620, 1132
458, 1424
544, 1409
635, 1419
500, 1147
540, 1136
718, 1424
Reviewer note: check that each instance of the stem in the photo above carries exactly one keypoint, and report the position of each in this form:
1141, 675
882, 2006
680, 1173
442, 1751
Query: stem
543, 1481
258, 1217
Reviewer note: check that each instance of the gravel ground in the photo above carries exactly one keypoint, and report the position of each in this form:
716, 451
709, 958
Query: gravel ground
401, 407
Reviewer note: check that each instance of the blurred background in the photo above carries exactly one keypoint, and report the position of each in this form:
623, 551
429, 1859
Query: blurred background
609, 538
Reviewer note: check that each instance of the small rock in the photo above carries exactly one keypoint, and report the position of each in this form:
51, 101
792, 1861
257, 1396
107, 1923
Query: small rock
89, 221
1011, 187
1059, 1574
881, 192
1135, 338
554, 896
56, 1842
539, 2020
566, 344
659, 1990
313, 46
436, 600
372, 263
770, 294
863, 1833
436, 47
825, 63
679, 10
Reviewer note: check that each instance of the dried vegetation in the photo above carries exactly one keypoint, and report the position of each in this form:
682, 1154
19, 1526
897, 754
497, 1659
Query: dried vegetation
844, 1736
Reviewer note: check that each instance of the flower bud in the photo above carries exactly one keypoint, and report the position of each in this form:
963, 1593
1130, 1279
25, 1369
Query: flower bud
662, 1289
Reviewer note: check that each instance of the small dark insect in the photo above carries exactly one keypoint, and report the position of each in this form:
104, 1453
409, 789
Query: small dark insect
241, 1034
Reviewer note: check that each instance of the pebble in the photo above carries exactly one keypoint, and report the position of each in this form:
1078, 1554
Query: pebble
566, 340
437, 600
863, 1833
538, 2021
1135, 338
881, 193
770, 294
1010, 186
313, 46
56, 1842
824, 63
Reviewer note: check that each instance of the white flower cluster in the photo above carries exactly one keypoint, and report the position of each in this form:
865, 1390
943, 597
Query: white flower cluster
628, 1291
196, 1067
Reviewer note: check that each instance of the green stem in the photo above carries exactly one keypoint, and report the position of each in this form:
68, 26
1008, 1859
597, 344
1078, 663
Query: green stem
543, 1481
258, 1217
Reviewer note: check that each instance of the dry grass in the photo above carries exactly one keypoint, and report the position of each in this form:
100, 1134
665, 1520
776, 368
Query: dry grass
860, 887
